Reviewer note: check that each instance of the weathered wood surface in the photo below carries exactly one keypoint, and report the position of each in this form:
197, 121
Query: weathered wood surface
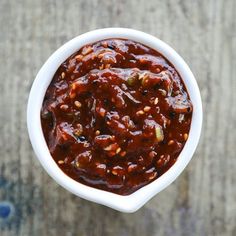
202, 201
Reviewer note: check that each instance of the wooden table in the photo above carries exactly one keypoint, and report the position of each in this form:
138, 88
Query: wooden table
202, 201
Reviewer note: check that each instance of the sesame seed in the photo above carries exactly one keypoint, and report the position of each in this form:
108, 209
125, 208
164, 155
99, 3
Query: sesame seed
147, 108
139, 112
152, 176
171, 142
118, 150
185, 136
79, 57
77, 104
64, 107
163, 92
60, 162
97, 132
63, 75
155, 101
102, 112
73, 86
108, 148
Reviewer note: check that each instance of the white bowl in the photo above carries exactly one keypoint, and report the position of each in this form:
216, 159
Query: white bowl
134, 201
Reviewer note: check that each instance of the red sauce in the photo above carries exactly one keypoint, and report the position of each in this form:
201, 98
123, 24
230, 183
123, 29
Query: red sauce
116, 115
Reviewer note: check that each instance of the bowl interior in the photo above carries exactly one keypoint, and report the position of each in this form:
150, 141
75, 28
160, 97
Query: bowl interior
134, 201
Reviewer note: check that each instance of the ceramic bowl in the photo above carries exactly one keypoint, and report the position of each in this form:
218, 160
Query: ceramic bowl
134, 201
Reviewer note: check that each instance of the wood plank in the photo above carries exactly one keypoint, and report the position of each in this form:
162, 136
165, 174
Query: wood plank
202, 200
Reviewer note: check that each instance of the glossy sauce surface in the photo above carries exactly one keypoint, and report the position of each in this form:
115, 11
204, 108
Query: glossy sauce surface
116, 115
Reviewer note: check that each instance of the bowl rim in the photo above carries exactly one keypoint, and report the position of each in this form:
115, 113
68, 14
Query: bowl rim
128, 203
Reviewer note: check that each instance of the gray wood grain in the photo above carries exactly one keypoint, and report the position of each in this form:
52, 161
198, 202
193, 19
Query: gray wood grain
202, 201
